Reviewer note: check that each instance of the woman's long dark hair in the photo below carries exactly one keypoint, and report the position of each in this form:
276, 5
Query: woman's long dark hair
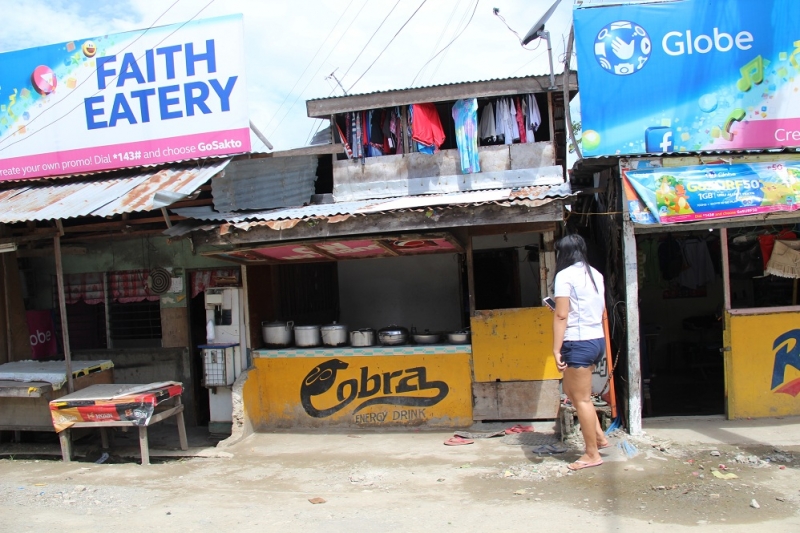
570, 250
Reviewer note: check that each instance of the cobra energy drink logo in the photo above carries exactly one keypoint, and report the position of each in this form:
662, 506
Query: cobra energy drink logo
787, 353
409, 387
622, 48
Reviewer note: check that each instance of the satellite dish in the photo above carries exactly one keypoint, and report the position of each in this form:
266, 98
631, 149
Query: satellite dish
533, 33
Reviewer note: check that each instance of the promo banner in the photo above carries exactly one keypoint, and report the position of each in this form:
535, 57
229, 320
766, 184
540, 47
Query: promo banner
122, 100
688, 76
705, 192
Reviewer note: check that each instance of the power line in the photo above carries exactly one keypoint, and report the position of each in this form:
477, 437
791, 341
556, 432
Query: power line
314, 76
50, 108
474, 9
444, 28
370, 39
444, 55
388, 44
300, 77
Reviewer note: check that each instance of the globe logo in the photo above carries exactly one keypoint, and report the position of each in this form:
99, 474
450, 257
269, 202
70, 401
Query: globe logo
622, 48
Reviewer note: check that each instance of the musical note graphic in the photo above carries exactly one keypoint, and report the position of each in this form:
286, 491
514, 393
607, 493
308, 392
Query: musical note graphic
752, 72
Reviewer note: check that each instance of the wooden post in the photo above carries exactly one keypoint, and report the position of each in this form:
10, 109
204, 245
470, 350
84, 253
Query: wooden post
726, 268
7, 309
632, 318
63, 307
404, 127
470, 277
547, 262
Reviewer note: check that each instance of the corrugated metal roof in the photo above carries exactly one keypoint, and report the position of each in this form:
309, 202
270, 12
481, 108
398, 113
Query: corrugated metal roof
364, 207
265, 183
558, 68
125, 194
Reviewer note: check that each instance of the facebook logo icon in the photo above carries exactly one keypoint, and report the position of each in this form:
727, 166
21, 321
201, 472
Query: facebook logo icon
658, 140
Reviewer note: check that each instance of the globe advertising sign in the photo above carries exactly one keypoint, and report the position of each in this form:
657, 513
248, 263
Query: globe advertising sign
121, 100
704, 192
689, 76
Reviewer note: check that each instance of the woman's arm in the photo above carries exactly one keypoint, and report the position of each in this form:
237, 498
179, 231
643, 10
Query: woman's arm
559, 327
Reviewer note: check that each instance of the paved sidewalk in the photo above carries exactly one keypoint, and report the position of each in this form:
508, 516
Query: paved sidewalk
716, 430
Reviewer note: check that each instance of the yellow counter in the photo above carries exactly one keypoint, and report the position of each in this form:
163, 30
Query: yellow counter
360, 387
762, 368
513, 345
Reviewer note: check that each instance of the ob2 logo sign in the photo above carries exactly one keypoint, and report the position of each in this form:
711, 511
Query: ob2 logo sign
787, 353
409, 387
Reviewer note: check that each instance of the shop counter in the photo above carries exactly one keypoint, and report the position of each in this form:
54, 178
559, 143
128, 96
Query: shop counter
350, 351
378, 386
28, 387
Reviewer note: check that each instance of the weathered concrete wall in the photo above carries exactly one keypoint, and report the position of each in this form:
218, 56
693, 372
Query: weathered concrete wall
150, 365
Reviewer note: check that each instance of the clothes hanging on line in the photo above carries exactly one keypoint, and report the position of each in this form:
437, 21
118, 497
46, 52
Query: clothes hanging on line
511, 119
785, 259
465, 116
700, 269
373, 133
487, 123
426, 127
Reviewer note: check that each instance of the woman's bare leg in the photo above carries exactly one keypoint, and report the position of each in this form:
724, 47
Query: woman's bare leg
578, 381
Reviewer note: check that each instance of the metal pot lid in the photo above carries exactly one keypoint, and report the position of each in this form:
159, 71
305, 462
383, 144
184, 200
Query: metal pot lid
306, 328
393, 330
334, 327
282, 324
364, 330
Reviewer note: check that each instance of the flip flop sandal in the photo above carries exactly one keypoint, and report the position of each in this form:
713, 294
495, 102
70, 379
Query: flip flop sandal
458, 441
518, 428
583, 464
479, 435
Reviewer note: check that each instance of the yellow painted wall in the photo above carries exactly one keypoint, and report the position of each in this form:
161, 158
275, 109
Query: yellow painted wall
513, 345
385, 391
756, 344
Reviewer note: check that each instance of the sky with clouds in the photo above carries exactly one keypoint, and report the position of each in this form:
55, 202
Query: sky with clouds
292, 47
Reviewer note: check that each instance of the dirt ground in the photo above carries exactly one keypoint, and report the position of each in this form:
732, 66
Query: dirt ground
399, 481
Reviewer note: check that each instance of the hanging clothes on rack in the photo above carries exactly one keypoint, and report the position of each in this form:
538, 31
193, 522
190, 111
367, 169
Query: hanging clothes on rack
520, 119
465, 116
501, 120
700, 269
487, 123
426, 127
785, 259
533, 118
512, 110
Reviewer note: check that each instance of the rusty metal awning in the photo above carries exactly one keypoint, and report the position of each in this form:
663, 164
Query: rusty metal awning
126, 193
288, 217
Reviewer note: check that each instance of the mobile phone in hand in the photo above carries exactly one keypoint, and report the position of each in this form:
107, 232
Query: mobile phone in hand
549, 302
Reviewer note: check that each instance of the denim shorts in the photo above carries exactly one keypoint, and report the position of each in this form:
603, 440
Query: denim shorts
583, 354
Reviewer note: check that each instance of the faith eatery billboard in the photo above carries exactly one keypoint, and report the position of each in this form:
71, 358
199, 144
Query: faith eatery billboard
120, 100
689, 76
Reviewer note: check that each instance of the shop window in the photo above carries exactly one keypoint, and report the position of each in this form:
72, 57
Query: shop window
309, 293
114, 305
135, 324
762, 267
497, 279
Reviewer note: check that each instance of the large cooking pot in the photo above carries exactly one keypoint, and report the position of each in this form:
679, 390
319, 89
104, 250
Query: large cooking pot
427, 337
277, 334
458, 337
306, 336
334, 334
362, 337
393, 335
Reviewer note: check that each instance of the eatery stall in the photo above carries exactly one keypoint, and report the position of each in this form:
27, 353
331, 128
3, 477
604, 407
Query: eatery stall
435, 328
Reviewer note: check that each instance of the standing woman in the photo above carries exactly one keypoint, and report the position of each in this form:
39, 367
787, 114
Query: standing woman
579, 338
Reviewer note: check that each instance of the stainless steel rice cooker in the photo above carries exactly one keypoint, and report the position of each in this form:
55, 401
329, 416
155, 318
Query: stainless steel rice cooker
362, 337
277, 334
307, 336
334, 334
